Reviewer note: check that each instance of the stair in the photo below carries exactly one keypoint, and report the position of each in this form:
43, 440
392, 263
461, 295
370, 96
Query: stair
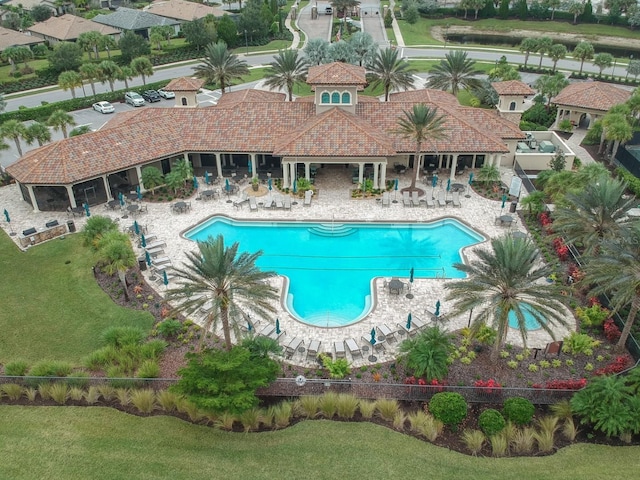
332, 230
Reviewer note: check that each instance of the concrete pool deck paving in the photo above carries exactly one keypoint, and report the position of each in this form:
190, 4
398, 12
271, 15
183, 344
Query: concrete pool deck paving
332, 203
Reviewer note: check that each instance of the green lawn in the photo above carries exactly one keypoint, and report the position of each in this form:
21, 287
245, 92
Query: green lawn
78, 443
52, 307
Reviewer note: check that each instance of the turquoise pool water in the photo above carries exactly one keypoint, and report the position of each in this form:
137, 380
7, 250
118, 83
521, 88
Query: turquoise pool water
330, 266
529, 322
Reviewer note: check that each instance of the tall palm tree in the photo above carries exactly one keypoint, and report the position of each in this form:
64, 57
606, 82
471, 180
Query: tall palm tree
110, 72
556, 53
616, 271
91, 72
115, 250
583, 51
70, 80
593, 214
527, 46
455, 71
285, 71
420, 124
125, 74
220, 65
38, 132
229, 280
142, 66
508, 278
364, 47
14, 130
61, 120
391, 72
543, 46
316, 51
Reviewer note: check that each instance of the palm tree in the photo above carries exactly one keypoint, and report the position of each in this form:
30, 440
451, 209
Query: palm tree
316, 51
420, 124
69, 80
455, 71
583, 51
91, 72
618, 132
364, 47
91, 42
221, 66
142, 66
557, 52
230, 281
391, 72
152, 178
534, 203
593, 214
110, 72
125, 74
527, 46
61, 120
285, 71
114, 248
37, 132
509, 278
615, 271
543, 46
342, 6
14, 130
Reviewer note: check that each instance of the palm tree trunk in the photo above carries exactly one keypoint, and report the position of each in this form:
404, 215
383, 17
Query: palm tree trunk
18, 146
416, 166
93, 88
224, 318
123, 280
635, 306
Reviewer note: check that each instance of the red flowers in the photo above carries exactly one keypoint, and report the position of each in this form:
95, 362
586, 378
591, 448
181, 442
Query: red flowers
611, 330
488, 386
545, 221
561, 249
563, 384
621, 363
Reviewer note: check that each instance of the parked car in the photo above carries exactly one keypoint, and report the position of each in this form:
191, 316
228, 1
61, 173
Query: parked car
151, 96
103, 107
134, 99
328, 11
166, 94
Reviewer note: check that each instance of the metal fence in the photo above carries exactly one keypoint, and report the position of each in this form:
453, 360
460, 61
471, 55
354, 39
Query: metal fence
153, 383
526, 181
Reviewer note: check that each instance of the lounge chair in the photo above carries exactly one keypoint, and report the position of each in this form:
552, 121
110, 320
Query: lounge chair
406, 199
267, 330
314, 348
415, 199
275, 335
154, 252
339, 349
307, 198
385, 199
287, 202
442, 202
455, 196
353, 347
279, 202
378, 345
292, 347
387, 332
157, 243
430, 202
161, 261
268, 203
253, 204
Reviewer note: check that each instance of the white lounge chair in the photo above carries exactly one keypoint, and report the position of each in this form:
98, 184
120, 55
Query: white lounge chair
442, 202
287, 202
314, 348
377, 346
279, 202
455, 196
267, 330
406, 199
430, 202
292, 347
415, 199
253, 204
339, 349
307, 198
353, 347
387, 332
385, 199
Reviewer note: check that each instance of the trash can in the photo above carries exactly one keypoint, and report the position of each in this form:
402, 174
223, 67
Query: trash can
71, 226
142, 264
512, 208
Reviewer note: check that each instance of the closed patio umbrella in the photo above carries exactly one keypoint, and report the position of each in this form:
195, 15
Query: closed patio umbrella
277, 326
86, 210
373, 337
249, 326
143, 241
138, 192
434, 181
136, 227
448, 185
470, 178
206, 177
409, 321
504, 200
270, 185
395, 187
295, 186
227, 187
6, 216
195, 182
411, 275
249, 167
437, 312
165, 279
147, 258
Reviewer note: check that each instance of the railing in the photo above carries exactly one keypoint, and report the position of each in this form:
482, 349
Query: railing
153, 383
526, 181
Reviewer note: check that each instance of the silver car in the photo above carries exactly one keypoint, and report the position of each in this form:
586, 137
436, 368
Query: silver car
103, 107
134, 99
166, 94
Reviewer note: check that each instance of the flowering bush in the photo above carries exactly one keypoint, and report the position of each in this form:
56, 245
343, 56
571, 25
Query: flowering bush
574, 272
488, 386
621, 363
563, 384
561, 249
611, 330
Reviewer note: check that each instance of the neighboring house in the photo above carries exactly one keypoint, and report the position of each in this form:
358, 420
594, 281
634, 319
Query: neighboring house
55, 7
585, 102
11, 38
182, 11
67, 28
136, 21
334, 127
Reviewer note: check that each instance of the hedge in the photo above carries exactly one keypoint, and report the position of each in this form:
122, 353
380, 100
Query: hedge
631, 179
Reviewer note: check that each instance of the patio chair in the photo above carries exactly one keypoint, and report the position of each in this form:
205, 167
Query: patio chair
292, 347
307, 198
378, 345
339, 349
385, 199
430, 202
268, 203
253, 204
406, 199
267, 330
415, 199
353, 347
279, 202
313, 348
287, 202
455, 196
442, 202
387, 332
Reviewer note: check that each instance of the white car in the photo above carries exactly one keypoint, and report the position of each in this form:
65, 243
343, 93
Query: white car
103, 107
166, 94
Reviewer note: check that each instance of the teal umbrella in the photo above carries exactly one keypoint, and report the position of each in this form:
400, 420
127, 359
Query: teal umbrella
373, 337
504, 200
411, 275
270, 185
86, 209
395, 185
448, 185
121, 198
249, 167
434, 181
295, 186
195, 182
138, 192
136, 227
206, 177
143, 241
6, 216
470, 178
437, 313
249, 326
277, 326
409, 321
227, 187
147, 258
165, 279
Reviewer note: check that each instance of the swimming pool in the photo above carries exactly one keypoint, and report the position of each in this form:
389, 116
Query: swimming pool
330, 266
529, 322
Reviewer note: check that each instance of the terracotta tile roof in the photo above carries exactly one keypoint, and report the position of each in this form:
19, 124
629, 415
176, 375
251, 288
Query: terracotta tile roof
180, 10
69, 27
11, 38
592, 95
325, 135
425, 96
336, 73
185, 84
251, 95
513, 87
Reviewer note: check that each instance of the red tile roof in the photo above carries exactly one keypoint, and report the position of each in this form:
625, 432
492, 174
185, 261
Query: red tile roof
336, 73
251, 95
592, 95
513, 87
185, 84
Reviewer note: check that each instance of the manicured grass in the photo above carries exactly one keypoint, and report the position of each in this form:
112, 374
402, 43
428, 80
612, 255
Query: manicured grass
76, 442
52, 309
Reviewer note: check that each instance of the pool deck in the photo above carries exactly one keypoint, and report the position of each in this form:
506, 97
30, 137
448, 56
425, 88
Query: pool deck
333, 203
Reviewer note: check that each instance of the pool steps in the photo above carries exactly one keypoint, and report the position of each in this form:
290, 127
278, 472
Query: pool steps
332, 230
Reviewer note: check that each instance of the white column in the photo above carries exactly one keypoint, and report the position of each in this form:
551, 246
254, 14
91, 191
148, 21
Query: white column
454, 162
218, 164
72, 199
376, 167
558, 116
254, 170
361, 173
34, 203
139, 174
285, 174
307, 170
440, 161
293, 173
383, 175
105, 180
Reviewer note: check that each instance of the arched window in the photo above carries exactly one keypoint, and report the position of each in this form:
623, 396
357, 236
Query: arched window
346, 97
325, 97
512, 106
335, 97
184, 101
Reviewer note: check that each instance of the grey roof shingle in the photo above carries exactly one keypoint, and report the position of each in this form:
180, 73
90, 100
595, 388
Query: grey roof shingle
132, 19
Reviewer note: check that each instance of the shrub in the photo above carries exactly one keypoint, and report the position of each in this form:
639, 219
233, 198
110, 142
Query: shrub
593, 316
17, 368
578, 343
338, 368
169, 328
76, 394
545, 436
367, 408
149, 369
121, 336
153, 349
387, 408
448, 407
225, 421
12, 390
426, 355
474, 441
48, 368
328, 404
499, 445
59, 392
518, 410
251, 419
491, 422
144, 400
308, 405
92, 395
523, 440
281, 414
347, 406
611, 331
167, 400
